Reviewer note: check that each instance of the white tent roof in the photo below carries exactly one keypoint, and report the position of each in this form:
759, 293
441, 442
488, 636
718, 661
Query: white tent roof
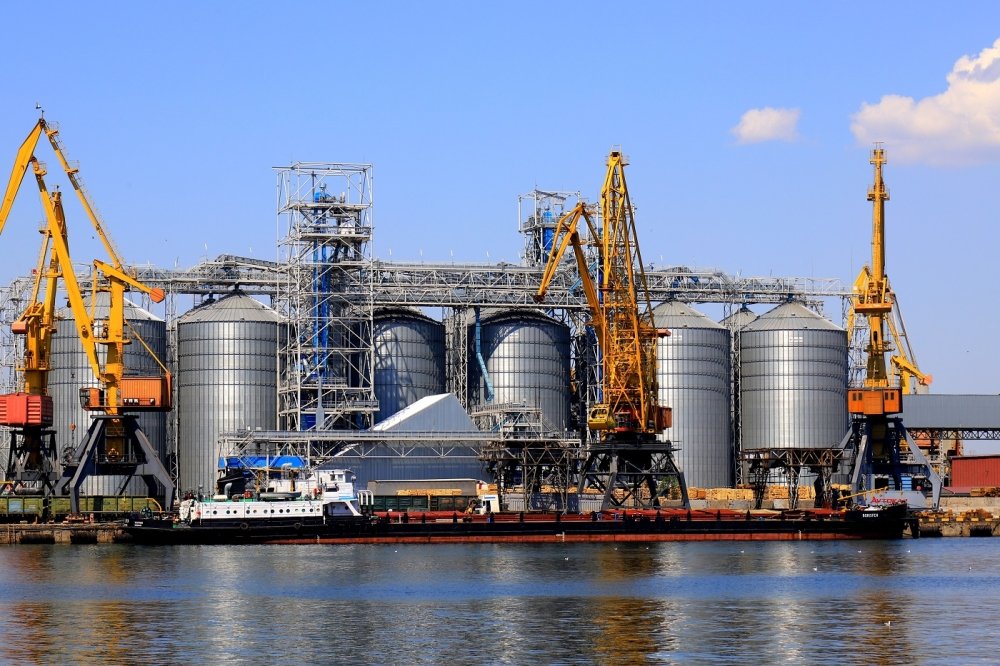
434, 413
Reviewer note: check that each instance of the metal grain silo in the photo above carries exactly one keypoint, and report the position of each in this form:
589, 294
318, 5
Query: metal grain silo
71, 371
524, 357
226, 380
409, 359
693, 375
793, 380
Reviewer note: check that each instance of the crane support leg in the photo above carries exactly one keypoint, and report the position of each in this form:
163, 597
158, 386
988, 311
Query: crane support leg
94, 456
31, 458
882, 473
623, 473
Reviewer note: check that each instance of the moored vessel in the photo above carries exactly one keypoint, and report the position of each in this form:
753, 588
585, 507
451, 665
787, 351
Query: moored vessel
328, 510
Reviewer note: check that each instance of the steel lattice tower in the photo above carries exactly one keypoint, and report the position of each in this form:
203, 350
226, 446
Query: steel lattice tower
325, 351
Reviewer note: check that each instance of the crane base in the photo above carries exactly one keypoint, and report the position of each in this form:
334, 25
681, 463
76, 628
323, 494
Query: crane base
96, 455
633, 474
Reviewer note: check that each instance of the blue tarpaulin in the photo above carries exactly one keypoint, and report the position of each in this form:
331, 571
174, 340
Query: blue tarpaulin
261, 462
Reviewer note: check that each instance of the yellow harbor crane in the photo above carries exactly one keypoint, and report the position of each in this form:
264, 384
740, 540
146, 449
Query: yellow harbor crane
114, 443
627, 460
877, 433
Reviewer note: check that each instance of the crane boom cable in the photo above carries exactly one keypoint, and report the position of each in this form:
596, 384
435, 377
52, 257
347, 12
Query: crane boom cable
73, 173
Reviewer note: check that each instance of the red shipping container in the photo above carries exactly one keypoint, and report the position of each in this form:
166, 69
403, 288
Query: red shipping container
975, 471
20, 410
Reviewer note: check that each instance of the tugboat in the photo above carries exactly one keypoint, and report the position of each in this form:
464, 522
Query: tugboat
323, 502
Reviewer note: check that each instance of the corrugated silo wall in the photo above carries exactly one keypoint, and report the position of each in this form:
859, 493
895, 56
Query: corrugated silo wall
694, 374
226, 381
793, 387
71, 371
409, 360
527, 359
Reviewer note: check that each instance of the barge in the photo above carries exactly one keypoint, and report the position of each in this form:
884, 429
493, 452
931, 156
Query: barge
330, 512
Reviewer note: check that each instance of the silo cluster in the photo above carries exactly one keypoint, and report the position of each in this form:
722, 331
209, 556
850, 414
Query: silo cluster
777, 380
780, 376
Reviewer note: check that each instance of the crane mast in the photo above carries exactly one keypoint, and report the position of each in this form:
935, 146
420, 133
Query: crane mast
875, 301
877, 433
627, 459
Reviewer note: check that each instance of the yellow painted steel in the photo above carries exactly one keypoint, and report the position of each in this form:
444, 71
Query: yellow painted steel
625, 333
21, 162
874, 299
37, 322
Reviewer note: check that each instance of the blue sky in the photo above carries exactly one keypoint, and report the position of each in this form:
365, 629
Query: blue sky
748, 127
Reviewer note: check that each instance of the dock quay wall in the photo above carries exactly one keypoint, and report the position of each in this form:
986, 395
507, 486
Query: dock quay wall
59, 533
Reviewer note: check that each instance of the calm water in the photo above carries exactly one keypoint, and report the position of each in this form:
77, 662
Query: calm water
791, 603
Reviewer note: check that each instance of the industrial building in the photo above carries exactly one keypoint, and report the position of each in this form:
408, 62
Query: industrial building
339, 357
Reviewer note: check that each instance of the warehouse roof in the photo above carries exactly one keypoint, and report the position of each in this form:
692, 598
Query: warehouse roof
951, 412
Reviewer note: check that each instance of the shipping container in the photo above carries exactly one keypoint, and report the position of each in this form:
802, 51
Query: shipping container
975, 471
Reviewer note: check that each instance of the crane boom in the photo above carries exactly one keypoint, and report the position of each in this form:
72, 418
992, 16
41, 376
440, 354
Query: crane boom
56, 223
21, 162
626, 336
119, 392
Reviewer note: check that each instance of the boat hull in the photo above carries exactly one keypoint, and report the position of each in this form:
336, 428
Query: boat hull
887, 523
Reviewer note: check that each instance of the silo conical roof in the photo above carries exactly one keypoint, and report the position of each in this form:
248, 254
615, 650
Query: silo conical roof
234, 306
675, 314
102, 307
740, 319
791, 316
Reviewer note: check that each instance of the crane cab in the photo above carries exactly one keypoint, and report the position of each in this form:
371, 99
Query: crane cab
137, 394
875, 402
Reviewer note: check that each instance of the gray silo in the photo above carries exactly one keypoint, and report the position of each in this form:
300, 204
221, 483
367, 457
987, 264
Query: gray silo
693, 375
226, 381
71, 371
409, 359
793, 380
526, 358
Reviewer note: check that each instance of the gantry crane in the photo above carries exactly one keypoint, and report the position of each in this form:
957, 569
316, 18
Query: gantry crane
114, 443
877, 433
627, 452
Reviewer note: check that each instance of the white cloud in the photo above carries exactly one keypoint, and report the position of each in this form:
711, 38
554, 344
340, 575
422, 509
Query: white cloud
767, 124
959, 126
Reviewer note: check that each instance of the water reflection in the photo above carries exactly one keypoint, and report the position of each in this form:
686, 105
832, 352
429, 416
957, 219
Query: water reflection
787, 603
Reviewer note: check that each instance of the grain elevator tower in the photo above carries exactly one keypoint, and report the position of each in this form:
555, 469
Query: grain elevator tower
325, 297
